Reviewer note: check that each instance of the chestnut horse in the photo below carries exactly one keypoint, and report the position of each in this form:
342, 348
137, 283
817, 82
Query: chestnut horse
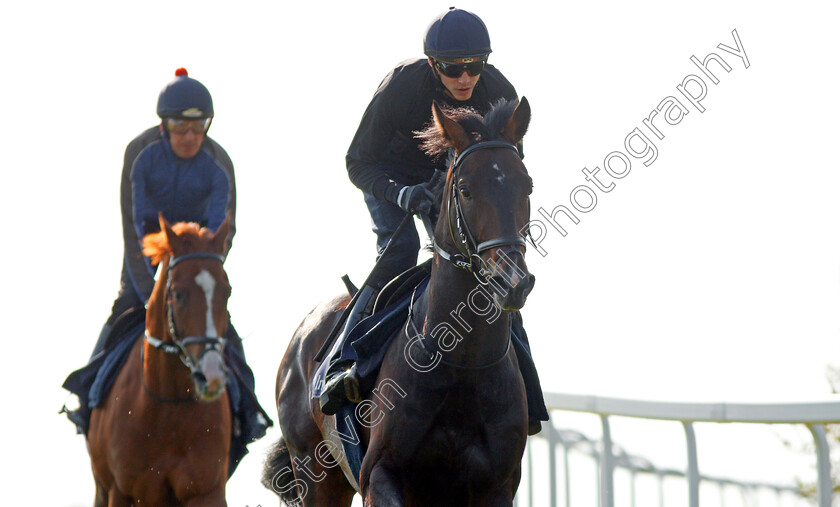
447, 422
162, 436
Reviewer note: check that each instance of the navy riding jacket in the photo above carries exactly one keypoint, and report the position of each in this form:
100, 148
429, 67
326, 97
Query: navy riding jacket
200, 189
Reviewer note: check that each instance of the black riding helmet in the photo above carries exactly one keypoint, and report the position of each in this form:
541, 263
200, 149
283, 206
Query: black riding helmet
456, 33
184, 98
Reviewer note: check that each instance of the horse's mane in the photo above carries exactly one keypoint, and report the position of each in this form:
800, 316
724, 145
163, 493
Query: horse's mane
487, 128
156, 247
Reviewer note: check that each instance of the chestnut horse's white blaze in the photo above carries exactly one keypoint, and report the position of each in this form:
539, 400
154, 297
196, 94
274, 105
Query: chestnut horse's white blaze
206, 281
212, 363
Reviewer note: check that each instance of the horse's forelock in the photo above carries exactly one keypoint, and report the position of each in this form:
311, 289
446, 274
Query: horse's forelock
156, 245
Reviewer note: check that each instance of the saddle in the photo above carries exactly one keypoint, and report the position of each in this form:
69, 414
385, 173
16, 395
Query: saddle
125, 323
368, 341
404, 283
93, 381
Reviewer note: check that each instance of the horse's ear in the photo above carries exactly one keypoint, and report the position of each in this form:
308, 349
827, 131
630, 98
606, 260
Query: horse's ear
219, 241
450, 129
517, 125
171, 237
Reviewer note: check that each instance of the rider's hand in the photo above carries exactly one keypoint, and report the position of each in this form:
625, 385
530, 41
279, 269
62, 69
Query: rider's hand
416, 198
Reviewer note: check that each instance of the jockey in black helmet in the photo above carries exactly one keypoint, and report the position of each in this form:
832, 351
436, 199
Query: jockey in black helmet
174, 168
386, 162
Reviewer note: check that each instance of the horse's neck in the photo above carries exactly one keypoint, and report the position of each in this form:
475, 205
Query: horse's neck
164, 375
458, 308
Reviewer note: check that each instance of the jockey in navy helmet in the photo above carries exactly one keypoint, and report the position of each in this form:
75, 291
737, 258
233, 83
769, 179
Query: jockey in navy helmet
174, 168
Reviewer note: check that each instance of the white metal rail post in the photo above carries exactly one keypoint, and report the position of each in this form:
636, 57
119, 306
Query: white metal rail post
814, 415
573, 440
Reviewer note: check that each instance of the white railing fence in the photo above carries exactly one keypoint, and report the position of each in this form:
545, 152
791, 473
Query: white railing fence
609, 457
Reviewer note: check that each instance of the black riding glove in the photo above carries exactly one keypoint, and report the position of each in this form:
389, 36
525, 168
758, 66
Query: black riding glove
416, 198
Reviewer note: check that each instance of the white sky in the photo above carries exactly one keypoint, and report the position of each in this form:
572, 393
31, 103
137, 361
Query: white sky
711, 275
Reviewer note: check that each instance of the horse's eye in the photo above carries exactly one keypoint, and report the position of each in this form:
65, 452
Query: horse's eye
465, 191
179, 297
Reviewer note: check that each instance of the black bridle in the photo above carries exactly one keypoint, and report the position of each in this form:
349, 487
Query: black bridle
469, 252
178, 346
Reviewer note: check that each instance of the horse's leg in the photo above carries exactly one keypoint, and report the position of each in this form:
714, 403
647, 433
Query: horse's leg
319, 486
216, 498
505, 501
117, 499
319, 481
501, 496
383, 489
101, 499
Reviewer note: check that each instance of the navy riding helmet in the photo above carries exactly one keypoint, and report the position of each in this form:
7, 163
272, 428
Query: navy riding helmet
184, 97
456, 33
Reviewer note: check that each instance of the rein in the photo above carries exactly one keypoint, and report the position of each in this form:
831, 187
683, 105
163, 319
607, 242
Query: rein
178, 345
469, 252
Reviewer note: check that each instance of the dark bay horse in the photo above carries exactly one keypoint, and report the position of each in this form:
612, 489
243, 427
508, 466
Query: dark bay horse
162, 437
446, 424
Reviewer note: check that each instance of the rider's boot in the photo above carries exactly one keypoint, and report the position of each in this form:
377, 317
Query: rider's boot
341, 382
533, 391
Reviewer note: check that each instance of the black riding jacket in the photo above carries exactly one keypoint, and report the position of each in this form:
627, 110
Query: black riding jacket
384, 155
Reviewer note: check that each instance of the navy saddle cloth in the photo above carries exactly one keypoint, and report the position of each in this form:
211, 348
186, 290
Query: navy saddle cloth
92, 382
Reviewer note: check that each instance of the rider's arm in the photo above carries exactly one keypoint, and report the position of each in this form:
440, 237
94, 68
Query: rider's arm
363, 166
223, 190
142, 277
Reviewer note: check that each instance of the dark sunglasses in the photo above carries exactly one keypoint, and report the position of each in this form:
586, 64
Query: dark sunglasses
456, 69
181, 127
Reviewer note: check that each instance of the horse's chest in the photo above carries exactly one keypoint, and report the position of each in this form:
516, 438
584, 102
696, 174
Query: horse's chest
164, 455
459, 472
467, 453
169, 476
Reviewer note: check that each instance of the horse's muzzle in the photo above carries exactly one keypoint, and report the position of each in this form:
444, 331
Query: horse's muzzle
210, 377
511, 283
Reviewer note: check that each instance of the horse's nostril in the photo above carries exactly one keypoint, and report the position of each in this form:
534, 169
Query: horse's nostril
498, 281
505, 284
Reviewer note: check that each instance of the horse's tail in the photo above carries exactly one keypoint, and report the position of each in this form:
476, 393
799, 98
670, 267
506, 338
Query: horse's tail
278, 475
